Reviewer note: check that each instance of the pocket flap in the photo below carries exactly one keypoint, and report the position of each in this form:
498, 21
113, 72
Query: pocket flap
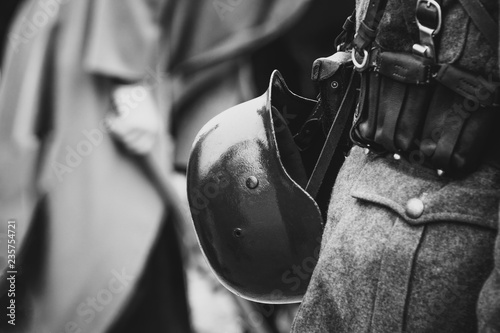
419, 196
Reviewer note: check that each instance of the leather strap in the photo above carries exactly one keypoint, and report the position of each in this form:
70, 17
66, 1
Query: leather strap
468, 85
333, 138
368, 28
354, 133
483, 20
447, 142
344, 39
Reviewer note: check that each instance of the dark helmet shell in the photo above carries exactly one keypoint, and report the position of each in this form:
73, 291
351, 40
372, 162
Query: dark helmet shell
258, 228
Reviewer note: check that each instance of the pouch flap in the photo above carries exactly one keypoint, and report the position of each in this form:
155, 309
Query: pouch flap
406, 68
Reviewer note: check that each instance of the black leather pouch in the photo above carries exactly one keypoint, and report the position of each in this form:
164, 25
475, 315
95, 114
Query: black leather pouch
395, 96
460, 121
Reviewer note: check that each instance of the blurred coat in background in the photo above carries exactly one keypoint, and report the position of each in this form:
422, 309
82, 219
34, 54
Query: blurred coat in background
208, 65
7, 11
102, 255
209, 69
96, 254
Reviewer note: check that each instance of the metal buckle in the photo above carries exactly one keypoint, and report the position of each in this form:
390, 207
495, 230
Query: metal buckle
426, 47
430, 3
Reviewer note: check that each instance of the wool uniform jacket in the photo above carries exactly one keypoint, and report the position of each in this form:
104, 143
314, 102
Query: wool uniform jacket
383, 268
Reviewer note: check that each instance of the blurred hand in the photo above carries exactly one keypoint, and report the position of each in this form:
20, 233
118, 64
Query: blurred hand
136, 122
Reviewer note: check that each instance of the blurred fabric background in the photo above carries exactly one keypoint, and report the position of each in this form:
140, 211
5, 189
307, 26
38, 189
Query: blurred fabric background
85, 225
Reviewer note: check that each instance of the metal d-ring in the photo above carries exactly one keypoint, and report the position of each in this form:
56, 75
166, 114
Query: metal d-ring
363, 64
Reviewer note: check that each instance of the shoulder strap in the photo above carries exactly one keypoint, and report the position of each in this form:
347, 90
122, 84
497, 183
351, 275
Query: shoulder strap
345, 38
368, 28
483, 20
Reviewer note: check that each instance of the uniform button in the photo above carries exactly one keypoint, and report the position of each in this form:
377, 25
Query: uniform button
252, 182
414, 208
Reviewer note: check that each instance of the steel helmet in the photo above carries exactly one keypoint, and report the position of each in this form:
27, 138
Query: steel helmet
258, 228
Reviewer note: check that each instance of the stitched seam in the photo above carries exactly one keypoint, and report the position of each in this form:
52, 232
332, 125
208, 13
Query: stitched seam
464, 82
400, 68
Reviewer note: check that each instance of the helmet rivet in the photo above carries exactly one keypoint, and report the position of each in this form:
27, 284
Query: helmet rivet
237, 232
334, 84
252, 182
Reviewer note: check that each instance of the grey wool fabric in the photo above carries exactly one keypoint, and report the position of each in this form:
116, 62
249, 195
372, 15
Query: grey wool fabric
381, 271
386, 266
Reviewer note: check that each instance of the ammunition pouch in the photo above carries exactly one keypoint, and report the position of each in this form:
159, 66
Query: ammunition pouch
432, 114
